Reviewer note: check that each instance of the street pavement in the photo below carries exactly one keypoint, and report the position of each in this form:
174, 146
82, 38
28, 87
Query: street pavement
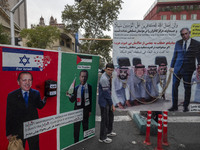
183, 132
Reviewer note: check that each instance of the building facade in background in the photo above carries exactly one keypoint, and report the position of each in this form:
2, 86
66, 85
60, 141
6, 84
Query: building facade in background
20, 17
174, 10
66, 41
20, 14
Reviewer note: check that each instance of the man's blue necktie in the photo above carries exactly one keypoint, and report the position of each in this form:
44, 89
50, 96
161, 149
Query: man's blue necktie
26, 98
82, 92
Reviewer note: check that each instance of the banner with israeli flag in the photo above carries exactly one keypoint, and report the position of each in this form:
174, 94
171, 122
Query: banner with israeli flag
22, 60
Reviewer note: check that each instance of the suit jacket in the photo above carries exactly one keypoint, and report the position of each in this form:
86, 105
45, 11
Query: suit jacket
185, 60
86, 109
17, 113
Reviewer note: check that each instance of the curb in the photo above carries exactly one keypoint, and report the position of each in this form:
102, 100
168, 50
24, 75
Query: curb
141, 123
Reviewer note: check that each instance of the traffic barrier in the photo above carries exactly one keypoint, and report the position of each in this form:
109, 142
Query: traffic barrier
165, 141
159, 137
147, 139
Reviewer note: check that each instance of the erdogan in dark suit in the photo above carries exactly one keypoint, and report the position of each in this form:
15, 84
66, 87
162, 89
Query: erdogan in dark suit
183, 64
22, 105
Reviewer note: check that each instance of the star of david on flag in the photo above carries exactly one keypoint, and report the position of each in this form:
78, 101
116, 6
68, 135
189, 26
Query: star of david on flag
24, 60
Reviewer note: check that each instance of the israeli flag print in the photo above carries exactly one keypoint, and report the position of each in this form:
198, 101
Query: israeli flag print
22, 60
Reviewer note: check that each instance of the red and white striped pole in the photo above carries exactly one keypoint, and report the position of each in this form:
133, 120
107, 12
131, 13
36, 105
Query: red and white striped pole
159, 139
165, 142
148, 127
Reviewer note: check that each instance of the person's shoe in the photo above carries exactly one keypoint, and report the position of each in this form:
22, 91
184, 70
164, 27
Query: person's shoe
173, 109
185, 109
107, 140
112, 134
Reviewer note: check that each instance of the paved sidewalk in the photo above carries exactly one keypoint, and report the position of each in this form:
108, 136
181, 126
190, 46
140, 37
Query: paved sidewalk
183, 134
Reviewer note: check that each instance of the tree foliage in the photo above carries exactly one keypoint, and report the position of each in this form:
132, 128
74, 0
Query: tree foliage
99, 47
40, 36
4, 37
94, 17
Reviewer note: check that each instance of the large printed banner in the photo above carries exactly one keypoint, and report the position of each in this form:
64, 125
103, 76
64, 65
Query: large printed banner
143, 53
85, 128
61, 97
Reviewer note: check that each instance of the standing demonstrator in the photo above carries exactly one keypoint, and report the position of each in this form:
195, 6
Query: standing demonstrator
106, 105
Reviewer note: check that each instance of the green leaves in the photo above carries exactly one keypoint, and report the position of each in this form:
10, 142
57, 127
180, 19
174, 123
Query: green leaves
99, 47
93, 17
4, 37
41, 36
